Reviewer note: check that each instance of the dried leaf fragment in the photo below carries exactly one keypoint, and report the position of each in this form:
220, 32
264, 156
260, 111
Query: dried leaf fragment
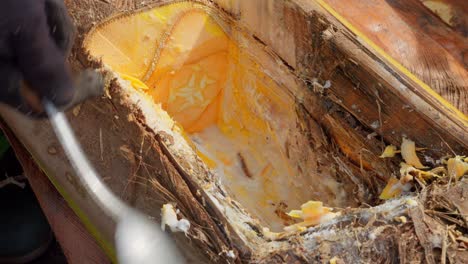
392, 189
312, 213
457, 167
396, 186
408, 171
408, 152
389, 152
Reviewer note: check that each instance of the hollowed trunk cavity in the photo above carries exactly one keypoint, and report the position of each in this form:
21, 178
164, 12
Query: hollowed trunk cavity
226, 92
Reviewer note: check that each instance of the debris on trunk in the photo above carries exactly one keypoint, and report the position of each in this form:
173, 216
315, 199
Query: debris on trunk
312, 213
169, 218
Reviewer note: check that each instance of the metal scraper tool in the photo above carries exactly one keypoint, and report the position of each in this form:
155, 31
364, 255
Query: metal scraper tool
137, 239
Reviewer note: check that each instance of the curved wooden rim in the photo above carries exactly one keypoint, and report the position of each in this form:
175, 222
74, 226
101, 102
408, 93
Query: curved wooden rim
452, 109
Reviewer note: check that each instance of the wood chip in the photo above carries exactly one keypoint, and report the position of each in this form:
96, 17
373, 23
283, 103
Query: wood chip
52, 150
76, 110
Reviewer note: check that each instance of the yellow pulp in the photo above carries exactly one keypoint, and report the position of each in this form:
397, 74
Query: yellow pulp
237, 116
